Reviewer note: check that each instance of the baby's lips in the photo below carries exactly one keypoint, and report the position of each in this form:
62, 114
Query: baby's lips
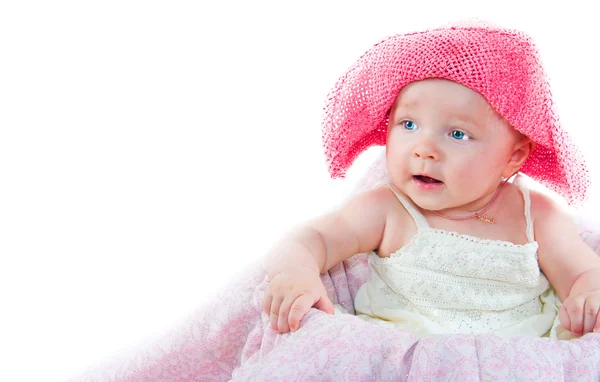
427, 179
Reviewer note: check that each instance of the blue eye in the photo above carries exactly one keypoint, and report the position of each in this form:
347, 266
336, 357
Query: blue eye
409, 125
461, 136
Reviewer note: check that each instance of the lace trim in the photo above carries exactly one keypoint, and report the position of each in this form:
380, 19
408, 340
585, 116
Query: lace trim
527, 247
417, 274
477, 240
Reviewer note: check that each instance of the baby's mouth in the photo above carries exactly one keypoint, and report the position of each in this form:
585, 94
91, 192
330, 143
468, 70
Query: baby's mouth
426, 179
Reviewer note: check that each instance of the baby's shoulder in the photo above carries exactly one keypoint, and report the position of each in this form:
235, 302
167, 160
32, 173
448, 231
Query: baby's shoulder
551, 215
399, 226
396, 211
544, 205
383, 195
380, 198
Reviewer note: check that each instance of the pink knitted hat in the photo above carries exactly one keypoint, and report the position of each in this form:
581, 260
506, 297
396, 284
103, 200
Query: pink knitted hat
502, 65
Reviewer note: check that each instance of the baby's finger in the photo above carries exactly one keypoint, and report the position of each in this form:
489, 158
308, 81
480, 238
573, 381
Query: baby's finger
299, 308
563, 316
575, 310
284, 312
325, 305
274, 312
266, 302
592, 304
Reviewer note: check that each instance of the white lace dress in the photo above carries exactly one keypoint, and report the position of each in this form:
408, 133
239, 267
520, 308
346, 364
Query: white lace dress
445, 282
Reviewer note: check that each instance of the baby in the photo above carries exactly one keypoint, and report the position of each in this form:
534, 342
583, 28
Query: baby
456, 242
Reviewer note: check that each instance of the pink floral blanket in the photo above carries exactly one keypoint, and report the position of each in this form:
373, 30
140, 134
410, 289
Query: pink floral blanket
230, 339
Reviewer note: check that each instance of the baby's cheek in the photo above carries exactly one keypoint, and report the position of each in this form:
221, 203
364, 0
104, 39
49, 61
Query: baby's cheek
397, 161
473, 177
469, 171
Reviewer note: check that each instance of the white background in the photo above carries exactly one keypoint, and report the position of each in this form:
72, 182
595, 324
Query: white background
149, 150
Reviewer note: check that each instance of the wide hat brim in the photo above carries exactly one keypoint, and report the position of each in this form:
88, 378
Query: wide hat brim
502, 65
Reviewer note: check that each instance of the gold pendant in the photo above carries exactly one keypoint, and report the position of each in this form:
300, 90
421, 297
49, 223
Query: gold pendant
485, 219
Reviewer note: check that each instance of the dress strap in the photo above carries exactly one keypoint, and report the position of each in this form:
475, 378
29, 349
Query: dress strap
527, 199
419, 219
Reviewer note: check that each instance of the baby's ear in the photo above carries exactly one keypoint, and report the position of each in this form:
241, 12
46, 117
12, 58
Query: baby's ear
522, 149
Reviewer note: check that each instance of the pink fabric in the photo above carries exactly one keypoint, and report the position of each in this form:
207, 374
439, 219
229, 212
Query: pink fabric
231, 339
502, 65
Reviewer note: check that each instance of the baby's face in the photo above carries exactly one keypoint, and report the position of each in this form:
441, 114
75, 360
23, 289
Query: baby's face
446, 146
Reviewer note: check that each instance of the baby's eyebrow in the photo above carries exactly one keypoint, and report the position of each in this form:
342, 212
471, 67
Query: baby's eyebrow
464, 120
402, 108
406, 104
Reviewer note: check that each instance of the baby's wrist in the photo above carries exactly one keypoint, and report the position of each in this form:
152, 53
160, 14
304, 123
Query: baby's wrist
588, 281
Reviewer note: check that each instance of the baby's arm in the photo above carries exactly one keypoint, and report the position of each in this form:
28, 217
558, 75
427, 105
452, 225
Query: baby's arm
294, 264
570, 265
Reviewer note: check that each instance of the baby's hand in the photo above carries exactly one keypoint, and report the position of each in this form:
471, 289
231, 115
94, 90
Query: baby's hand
290, 296
579, 314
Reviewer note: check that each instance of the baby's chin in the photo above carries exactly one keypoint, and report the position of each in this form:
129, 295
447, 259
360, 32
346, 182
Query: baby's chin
423, 199
431, 203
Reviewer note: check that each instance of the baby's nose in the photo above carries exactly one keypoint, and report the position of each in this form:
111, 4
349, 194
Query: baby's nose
426, 149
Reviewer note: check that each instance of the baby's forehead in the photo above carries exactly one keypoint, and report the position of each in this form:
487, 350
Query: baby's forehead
444, 96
